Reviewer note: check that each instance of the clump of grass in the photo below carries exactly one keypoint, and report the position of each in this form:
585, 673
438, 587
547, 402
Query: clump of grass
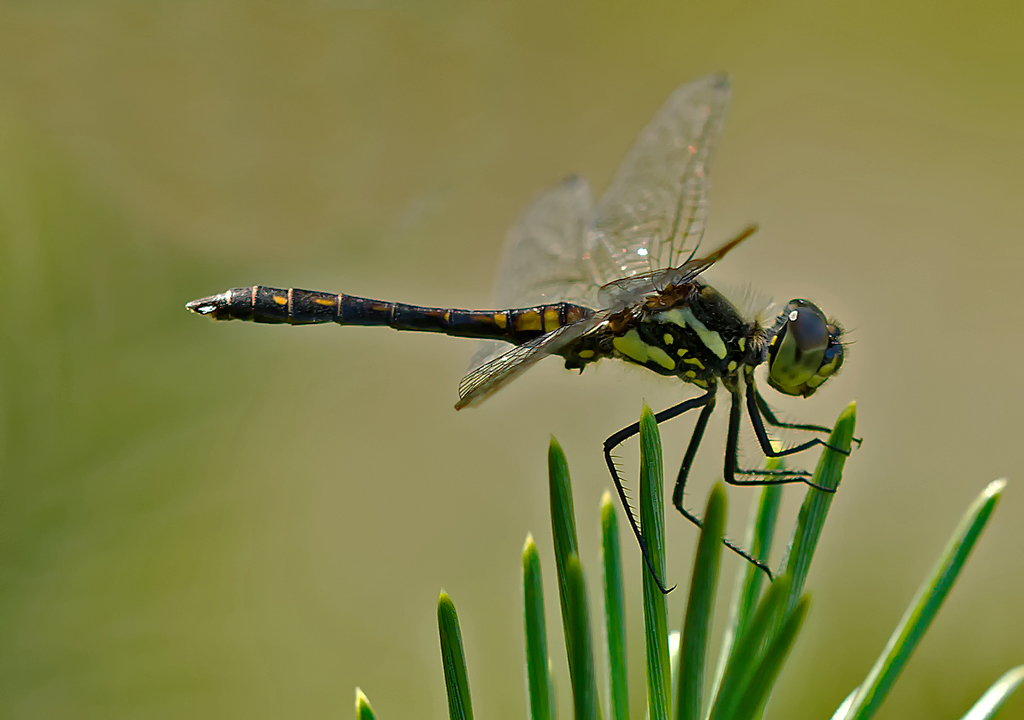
764, 622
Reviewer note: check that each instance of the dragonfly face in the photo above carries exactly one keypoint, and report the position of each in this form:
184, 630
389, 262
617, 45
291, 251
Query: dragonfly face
805, 350
614, 278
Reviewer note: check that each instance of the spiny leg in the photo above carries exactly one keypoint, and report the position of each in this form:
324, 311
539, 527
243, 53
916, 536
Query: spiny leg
684, 471
620, 437
769, 477
769, 416
765, 442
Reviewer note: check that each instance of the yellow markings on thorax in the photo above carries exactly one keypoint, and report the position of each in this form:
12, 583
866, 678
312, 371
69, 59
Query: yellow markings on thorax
668, 338
683, 317
681, 351
661, 357
528, 321
551, 321
732, 366
633, 347
500, 320
743, 344
694, 361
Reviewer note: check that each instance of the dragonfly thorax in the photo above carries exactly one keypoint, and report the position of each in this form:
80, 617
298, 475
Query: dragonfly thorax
691, 332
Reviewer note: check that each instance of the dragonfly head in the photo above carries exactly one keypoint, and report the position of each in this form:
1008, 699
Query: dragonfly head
805, 349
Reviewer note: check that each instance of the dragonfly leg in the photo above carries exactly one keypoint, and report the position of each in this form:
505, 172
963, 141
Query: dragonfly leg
769, 416
684, 471
767, 477
624, 434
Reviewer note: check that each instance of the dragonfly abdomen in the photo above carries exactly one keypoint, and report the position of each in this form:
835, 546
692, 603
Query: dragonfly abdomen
303, 307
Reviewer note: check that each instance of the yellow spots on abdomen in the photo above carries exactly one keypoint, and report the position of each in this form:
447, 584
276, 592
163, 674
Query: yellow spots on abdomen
551, 321
586, 354
281, 299
500, 320
528, 321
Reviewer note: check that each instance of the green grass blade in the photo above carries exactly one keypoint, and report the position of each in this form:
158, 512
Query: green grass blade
841, 711
989, 703
816, 505
581, 671
746, 657
924, 606
615, 609
750, 580
652, 522
759, 536
536, 634
755, 695
700, 608
453, 658
673, 662
563, 528
363, 709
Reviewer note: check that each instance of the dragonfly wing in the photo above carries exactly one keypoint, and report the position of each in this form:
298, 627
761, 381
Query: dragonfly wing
655, 209
493, 375
545, 258
619, 293
624, 291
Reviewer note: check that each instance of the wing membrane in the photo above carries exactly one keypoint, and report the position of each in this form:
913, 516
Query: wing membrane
545, 257
655, 209
493, 375
545, 260
624, 291
650, 221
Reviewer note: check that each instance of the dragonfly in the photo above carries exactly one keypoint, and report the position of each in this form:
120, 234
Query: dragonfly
618, 278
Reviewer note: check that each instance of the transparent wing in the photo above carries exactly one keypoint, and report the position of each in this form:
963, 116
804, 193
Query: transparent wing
654, 211
493, 375
625, 291
544, 259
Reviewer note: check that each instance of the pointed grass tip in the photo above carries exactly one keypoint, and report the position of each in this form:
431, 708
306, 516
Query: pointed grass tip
994, 488
363, 708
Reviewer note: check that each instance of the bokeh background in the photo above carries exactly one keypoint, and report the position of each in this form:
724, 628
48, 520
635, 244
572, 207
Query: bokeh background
230, 521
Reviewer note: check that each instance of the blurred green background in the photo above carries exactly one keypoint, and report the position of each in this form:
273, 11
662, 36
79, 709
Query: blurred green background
230, 521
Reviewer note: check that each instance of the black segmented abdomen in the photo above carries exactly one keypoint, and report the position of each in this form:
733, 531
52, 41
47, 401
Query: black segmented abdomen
303, 307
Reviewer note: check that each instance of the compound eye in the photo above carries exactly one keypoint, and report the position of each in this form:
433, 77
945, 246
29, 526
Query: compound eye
800, 345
